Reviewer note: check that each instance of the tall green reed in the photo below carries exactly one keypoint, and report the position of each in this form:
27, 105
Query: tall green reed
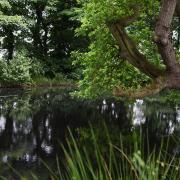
119, 161
100, 154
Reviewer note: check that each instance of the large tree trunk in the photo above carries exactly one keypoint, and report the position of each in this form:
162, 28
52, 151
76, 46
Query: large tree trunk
165, 45
168, 78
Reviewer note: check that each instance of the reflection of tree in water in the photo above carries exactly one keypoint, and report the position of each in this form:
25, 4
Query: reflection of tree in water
158, 118
161, 120
38, 122
33, 124
6, 137
115, 112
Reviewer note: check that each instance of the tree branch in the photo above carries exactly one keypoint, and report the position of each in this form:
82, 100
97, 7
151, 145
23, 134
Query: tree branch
129, 50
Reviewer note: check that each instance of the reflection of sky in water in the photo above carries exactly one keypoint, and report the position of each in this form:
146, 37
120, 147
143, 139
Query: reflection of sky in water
5, 159
171, 127
2, 123
104, 106
15, 104
178, 115
29, 158
47, 148
28, 126
138, 117
25, 126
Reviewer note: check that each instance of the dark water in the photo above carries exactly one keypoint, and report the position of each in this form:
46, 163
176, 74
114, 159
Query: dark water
33, 124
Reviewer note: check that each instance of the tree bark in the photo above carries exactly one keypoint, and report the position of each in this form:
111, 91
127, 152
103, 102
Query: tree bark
162, 35
165, 45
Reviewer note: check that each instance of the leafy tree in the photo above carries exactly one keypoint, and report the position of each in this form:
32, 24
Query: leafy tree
52, 34
17, 71
11, 24
43, 29
122, 53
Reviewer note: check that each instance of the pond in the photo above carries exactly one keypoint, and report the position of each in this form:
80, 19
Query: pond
34, 124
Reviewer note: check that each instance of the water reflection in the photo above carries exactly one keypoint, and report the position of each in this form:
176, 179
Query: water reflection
2, 123
32, 124
178, 114
138, 117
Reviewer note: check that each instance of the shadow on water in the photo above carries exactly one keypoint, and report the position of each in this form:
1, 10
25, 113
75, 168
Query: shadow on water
34, 123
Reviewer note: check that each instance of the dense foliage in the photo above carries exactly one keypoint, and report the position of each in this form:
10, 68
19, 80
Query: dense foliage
45, 30
42, 29
104, 69
16, 71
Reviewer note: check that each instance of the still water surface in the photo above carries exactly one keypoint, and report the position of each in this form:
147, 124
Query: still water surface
34, 123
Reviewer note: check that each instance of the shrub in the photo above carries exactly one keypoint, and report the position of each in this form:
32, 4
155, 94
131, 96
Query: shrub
17, 71
36, 68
